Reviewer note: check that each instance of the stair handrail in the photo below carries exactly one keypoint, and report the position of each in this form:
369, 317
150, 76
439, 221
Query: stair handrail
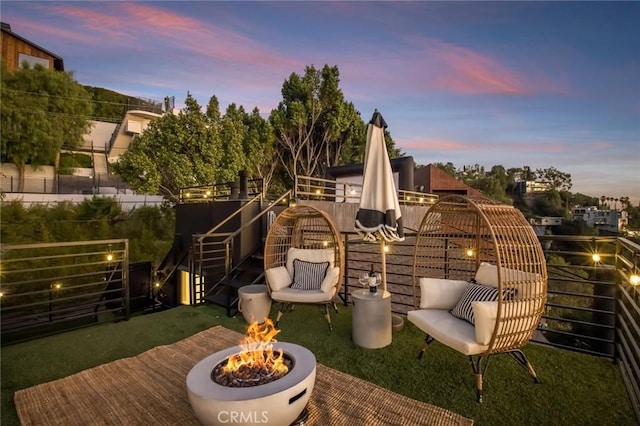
228, 243
228, 218
258, 216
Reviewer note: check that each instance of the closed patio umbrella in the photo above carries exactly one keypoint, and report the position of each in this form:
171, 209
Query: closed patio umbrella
379, 217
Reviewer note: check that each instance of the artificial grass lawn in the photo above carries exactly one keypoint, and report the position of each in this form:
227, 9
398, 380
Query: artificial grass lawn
575, 389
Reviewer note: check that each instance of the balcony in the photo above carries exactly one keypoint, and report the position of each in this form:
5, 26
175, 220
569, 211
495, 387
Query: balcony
585, 352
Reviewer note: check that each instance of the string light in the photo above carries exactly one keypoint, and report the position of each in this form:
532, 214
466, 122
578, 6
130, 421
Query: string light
595, 257
634, 279
109, 257
470, 252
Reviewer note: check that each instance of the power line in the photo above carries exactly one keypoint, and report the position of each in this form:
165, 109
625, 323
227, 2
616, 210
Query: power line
151, 101
61, 114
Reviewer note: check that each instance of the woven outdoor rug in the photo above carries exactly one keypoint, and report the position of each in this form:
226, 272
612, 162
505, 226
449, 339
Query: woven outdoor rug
150, 389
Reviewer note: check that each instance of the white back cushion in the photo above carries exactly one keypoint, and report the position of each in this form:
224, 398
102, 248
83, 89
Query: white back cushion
309, 255
330, 280
487, 274
438, 293
278, 278
485, 314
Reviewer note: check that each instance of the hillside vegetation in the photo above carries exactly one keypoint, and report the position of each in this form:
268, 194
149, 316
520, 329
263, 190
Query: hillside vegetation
149, 229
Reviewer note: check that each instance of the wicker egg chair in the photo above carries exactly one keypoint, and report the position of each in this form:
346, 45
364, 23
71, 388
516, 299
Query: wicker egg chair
463, 241
312, 234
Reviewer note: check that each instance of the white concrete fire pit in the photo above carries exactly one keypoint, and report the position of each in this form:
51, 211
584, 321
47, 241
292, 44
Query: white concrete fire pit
279, 402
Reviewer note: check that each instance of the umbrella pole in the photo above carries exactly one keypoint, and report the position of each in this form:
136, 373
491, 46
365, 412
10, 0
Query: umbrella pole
384, 266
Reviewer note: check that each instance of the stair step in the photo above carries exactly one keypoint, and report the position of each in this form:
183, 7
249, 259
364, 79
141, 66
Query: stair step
251, 267
221, 299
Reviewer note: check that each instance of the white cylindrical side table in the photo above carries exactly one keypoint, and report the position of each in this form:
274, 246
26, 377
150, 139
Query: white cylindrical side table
254, 303
371, 318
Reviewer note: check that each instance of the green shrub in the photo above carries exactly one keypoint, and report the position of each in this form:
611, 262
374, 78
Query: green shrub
73, 160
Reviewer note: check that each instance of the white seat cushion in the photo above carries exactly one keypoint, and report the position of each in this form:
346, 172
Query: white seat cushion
447, 329
302, 296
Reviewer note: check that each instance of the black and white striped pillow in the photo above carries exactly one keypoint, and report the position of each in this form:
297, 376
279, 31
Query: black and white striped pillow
308, 275
474, 292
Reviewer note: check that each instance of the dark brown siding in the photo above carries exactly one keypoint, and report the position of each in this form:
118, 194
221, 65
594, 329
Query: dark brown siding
13, 45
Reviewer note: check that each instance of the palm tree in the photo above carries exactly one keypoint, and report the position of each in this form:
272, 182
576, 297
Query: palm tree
616, 203
602, 199
624, 201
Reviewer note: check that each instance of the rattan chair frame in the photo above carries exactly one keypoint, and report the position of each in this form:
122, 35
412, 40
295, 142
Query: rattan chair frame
303, 227
458, 233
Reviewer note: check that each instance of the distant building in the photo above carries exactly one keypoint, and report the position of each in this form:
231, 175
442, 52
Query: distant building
532, 186
17, 49
541, 224
606, 220
433, 180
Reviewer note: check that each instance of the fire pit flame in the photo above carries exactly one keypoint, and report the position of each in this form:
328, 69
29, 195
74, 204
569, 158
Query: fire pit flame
257, 360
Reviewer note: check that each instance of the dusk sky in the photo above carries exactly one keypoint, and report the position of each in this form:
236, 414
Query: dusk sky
542, 84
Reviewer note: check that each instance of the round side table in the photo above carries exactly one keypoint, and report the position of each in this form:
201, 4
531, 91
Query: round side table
371, 318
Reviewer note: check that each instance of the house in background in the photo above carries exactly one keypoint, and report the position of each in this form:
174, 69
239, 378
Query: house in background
433, 180
542, 224
532, 187
17, 49
605, 220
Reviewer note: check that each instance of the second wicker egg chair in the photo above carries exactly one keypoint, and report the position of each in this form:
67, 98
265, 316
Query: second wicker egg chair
311, 235
467, 246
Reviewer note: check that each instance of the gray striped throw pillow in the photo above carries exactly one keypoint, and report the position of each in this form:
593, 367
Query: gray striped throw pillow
308, 275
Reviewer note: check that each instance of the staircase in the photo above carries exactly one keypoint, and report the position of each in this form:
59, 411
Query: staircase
225, 292
220, 265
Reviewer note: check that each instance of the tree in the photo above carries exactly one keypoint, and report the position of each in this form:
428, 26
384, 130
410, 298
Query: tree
175, 151
232, 134
559, 180
449, 168
550, 204
42, 111
259, 147
314, 127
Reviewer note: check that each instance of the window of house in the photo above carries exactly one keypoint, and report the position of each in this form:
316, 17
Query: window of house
32, 60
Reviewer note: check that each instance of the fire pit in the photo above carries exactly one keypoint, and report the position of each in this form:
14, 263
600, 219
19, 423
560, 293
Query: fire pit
259, 381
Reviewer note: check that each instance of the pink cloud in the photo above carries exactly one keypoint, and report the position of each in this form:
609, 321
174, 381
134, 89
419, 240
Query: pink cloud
102, 23
131, 23
437, 144
21, 26
462, 70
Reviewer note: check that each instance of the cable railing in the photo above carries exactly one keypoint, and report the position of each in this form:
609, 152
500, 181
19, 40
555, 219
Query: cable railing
52, 287
219, 191
313, 188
